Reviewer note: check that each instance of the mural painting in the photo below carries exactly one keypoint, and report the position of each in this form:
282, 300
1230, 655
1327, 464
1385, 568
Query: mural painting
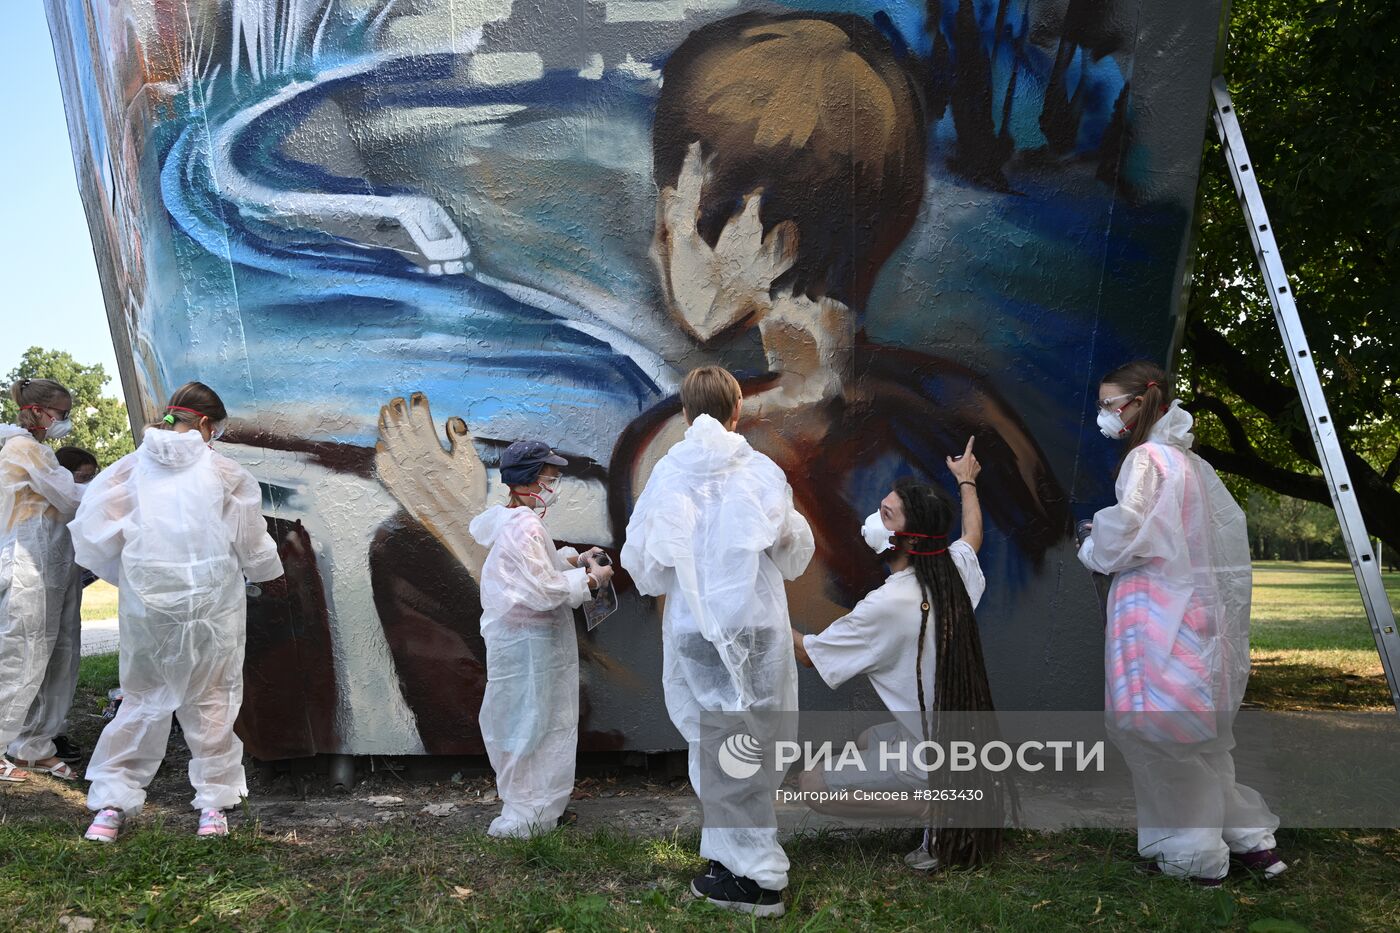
396, 235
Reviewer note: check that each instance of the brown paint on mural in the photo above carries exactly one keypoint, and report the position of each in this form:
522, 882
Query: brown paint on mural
817, 114
289, 700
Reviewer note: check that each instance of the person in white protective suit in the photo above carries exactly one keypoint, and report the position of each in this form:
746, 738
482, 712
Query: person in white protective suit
715, 532
42, 736
37, 499
529, 589
1177, 646
177, 527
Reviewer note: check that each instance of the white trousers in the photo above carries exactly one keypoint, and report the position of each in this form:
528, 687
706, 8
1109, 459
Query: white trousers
1191, 812
48, 713
739, 826
529, 724
192, 669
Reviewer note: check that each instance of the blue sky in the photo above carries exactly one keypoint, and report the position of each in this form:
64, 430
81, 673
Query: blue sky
52, 298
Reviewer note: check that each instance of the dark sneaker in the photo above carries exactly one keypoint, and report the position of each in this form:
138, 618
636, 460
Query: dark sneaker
704, 885
1155, 870
66, 750
568, 818
1264, 862
730, 892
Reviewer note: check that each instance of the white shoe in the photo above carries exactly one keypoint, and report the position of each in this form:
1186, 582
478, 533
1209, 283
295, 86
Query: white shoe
922, 859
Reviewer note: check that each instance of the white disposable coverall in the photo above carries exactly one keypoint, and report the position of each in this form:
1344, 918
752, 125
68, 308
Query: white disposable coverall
37, 499
715, 531
529, 715
1177, 651
177, 527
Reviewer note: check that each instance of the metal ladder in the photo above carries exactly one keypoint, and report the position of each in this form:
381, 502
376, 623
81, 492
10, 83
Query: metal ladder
1300, 358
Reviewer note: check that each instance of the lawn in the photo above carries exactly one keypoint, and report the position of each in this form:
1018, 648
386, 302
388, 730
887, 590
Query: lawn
576, 880
100, 601
1312, 649
1311, 643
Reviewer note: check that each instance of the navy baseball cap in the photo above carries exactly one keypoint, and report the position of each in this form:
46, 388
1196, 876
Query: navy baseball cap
523, 460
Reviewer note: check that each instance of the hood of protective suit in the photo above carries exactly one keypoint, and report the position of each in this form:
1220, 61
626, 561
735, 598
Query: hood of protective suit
8, 431
708, 448
171, 450
1174, 428
487, 526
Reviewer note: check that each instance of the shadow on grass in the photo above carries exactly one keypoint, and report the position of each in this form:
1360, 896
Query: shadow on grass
1288, 681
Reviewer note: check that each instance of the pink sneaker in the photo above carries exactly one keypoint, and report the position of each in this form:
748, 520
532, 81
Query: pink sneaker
212, 823
106, 825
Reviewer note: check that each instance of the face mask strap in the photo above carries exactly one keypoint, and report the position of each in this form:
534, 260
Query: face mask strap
53, 419
544, 509
913, 534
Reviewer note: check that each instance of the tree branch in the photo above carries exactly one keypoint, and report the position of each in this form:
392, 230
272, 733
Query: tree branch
1253, 467
1233, 429
1376, 493
1392, 472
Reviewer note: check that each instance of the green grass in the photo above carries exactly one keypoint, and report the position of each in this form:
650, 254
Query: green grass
163, 877
1313, 606
98, 674
100, 601
1310, 641
1312, 648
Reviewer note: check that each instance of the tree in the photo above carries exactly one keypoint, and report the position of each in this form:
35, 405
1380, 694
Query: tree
1284, 528
1314, 86
100, 423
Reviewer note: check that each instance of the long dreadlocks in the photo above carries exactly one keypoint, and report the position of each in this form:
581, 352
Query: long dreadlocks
960, 679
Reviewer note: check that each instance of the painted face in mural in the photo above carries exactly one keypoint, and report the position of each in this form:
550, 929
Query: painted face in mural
711, 289
788, 154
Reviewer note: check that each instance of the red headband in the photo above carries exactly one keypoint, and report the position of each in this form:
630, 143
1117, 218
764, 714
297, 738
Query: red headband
913, 534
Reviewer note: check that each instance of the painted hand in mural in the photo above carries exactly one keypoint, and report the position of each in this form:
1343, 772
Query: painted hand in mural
716, 288
440, 488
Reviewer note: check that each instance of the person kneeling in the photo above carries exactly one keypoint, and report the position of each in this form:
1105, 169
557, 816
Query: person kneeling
916, 639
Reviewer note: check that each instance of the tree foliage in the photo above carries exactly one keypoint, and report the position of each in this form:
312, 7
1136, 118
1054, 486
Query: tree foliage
1315, 89
100, 422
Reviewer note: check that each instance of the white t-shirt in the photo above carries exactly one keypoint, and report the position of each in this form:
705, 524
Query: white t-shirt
879, 636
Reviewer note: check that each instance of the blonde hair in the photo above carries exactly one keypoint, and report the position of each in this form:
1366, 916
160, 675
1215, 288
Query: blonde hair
710, 390
45, 393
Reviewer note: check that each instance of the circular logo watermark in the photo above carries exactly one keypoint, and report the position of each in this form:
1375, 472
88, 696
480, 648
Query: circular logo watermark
741, 756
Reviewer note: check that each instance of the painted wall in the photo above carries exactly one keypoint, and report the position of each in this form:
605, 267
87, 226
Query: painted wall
901, 224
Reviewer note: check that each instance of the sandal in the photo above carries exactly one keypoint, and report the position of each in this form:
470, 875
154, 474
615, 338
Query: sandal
59, 769
10, 774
